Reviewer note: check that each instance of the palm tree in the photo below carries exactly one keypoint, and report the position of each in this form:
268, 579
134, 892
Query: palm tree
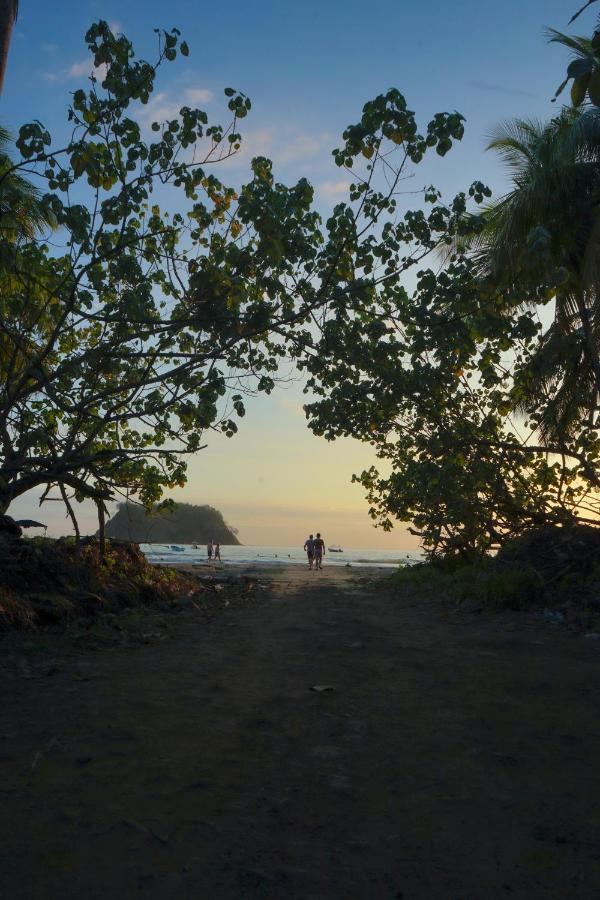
544, 235
8, 15
21, 212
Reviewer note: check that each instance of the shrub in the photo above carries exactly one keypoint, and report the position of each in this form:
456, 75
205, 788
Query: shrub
487, 581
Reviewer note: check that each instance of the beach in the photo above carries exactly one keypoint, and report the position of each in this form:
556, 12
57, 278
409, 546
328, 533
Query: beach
249, 555
325, 738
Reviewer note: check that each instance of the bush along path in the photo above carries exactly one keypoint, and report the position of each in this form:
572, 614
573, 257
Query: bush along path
45, 582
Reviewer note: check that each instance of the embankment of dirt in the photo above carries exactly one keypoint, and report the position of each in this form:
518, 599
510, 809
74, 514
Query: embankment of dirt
46, 582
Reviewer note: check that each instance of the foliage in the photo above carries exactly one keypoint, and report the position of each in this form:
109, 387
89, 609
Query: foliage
121, 347
584, 69
43, 582
485, 421
426, 381
22, 214
136, 330
120, 339
485, 582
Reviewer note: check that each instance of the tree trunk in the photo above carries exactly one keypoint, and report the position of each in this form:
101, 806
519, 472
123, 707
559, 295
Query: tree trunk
72, 516
101, 529
8, 14
590, 347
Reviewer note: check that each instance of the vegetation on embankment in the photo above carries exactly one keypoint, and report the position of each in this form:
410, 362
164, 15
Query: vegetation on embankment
48, 582
556, 568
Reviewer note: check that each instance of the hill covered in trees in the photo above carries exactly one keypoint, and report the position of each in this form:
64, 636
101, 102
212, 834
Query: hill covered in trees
184, 524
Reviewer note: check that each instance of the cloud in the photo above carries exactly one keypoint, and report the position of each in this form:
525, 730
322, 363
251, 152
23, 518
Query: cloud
301, 147
501, 89
198, 95
79, 69
257, 142
166, 106
334, 188
284, 146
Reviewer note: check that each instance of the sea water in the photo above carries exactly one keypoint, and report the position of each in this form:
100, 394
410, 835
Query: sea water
252, 555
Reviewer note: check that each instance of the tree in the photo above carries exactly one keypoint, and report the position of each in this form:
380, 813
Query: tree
428, 380
539, 242
117, 348
8, 16
431, 378
122, 346
22, 214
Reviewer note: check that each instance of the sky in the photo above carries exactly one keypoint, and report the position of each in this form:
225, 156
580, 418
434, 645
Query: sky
308, 69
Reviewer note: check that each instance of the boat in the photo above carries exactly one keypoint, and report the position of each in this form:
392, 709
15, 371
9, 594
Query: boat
335, 549
175, 547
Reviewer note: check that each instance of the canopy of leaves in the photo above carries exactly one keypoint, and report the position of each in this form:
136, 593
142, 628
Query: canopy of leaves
131, 329
485, 422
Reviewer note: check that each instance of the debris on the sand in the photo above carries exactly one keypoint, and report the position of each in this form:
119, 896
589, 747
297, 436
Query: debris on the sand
553, 615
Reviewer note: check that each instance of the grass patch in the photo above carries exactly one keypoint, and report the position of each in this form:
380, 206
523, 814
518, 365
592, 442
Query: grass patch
487, 581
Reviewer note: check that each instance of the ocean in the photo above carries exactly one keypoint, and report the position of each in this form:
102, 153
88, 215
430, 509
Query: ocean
249, 555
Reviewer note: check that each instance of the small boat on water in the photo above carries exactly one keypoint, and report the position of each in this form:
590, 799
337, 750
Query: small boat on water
335, 549
175, 547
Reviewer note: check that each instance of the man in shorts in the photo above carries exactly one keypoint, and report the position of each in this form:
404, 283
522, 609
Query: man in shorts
319, 550
309, 546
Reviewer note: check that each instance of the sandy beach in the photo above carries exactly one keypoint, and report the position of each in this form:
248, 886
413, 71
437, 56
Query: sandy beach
284, 576
325, 740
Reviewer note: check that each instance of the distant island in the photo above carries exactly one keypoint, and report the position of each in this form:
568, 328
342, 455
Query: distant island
186, 524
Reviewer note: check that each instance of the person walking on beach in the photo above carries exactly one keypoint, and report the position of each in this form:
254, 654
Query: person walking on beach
309, 546
209, 550
319, 550
217, 552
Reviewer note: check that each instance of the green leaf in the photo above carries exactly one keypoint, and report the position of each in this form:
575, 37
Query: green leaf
579, 67
579, 89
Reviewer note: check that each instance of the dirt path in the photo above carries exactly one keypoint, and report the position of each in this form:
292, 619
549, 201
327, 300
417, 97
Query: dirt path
457, 757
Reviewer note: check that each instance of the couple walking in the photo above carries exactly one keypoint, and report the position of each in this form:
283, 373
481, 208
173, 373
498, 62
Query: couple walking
315, 550
213, 551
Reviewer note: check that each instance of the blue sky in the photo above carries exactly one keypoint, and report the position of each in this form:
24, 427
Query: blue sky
308, 69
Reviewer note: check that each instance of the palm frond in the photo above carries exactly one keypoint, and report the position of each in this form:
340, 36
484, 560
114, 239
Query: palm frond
581, 10
579, 45
546, 230
21, 210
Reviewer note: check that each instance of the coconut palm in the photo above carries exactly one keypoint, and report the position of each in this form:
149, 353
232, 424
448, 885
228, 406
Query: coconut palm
21, 212
8, 16
542, 238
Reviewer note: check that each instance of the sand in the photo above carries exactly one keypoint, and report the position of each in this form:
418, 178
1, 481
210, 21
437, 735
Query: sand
328, 739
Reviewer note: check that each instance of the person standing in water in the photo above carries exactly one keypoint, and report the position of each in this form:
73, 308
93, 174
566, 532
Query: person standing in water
209, 550
319, 550
217, 552
309, 546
